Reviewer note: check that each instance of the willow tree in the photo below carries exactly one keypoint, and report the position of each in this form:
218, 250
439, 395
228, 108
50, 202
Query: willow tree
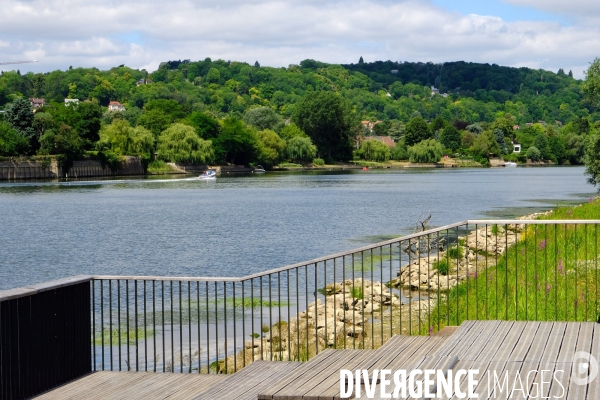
300, 149
181, 143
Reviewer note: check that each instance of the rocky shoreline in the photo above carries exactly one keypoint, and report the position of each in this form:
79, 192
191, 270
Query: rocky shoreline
353, 310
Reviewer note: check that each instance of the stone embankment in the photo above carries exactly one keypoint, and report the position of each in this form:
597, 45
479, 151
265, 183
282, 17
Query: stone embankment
476, 252
343, 318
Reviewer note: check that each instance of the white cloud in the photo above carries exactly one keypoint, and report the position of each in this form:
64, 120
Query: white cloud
278, 33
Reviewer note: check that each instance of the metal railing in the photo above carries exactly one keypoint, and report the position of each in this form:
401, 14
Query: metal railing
416, 284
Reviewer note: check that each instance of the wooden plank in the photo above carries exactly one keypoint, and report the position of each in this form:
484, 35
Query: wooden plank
594, 386
569, 343
553, 343
525, 341
456, 338
528, 372
465, 342
559, 385
248, 387
192, 389
302, 374
509, 343
536, 350
481, 342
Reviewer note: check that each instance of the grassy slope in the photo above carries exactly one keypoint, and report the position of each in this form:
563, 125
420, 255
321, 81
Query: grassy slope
550, 274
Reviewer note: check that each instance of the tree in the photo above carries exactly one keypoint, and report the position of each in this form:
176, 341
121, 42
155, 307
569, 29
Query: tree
88, 122
291, 131
416, 131
205, 125
263, 118
361, 61
181, 143
12, 143
438, 125
329, 121
155, 121
450, 138
396, 130
374, 150
300, 149
270, 148
575, 148
237, 144
213, 76
534, 154
20, 116
426, 151
42, 121
64, 141
485, 145
591, 86
499, 136
475, 129
122, 139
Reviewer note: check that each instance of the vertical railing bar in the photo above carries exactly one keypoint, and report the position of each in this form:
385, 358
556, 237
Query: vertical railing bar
429, 285
217, 327
457, 280
137, 345
335, 338
298, 314
198, 328
189, 288
154, 322
102, 319
119, 319
235, 329
93, 303
344, 297
353, 308
261, 317
325, 298
576, 270
437, 244
244, 327
162, 320
252, 313
271, 316
409, 288
535, 269
180, 330
392, 294
172, 328
546, 273
566, 276
476, 276
306, 304
225, 325
497, 272
555, 272
525, 229
380, 298
287, 274
316, 317
145, 330
487, 255
516, 248
110, 330
127, 324
207, 330
506, 272
585, 294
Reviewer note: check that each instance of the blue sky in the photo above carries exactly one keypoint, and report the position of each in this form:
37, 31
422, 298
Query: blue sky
548, 34
496, 8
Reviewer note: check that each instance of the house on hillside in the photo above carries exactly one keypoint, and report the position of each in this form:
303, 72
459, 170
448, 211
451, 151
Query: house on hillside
434, 91
383, 139
36, 103
115, 106
71, 102
368, 125
516, 146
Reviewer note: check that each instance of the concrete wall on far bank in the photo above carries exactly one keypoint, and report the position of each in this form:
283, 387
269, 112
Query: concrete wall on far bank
12, 170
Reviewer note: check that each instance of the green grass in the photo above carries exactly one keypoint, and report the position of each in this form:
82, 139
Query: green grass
441, 266
159, 167
550, 274
124, 335
356, 293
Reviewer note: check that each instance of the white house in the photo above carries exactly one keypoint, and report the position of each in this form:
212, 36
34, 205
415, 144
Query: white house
71, 102
516, 147
115, 106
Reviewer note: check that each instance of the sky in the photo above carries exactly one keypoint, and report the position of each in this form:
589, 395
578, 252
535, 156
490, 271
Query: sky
548, 34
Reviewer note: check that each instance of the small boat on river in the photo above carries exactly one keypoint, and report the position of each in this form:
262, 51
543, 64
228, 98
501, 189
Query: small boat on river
208, 175
259, 170
510, 164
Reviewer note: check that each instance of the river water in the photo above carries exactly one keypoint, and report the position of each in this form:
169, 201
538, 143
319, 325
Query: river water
238, 225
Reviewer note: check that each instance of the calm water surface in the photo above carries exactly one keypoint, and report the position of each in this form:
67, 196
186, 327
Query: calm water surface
246, 224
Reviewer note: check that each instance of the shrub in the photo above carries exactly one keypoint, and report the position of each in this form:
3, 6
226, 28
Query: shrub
534, 154
318, 162
455, 252
374, 150
441, 266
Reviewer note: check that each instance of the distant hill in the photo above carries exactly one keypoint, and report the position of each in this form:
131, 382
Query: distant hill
461, 75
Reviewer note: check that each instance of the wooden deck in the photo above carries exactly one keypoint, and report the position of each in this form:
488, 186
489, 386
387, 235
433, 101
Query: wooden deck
488, 346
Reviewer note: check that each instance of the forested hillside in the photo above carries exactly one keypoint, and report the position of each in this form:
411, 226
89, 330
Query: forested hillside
480, 101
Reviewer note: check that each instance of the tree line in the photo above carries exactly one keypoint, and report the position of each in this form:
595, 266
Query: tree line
232, 112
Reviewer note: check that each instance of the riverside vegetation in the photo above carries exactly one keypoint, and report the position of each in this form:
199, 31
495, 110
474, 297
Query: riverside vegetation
235, 113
